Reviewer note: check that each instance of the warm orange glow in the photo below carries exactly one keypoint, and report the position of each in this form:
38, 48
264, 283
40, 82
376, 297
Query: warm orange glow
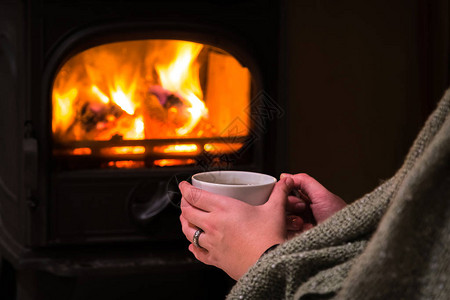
173, 162
62, 107
126, 164
150, 89
182, 75
123, 150
82, 151
216, 148
123, 100
76, 151
99, 94
177, 149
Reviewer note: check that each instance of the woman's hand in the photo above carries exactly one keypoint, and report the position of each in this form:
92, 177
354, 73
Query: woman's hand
235, 233
312, 202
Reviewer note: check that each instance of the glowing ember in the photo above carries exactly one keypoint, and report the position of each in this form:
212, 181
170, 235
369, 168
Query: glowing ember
126, 164
123, 150
82, 151
137, 131
216, 148
173, 162
177, 149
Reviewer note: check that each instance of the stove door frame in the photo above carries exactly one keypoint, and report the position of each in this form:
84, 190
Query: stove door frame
50, 185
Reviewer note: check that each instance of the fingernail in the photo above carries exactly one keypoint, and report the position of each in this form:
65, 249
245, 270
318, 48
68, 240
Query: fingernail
181, 184
295, 223
289, 182
282, 175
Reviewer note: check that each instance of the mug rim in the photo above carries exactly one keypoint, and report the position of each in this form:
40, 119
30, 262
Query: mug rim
271, 179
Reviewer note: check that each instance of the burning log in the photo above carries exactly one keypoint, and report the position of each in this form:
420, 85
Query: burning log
164, 112
97, 116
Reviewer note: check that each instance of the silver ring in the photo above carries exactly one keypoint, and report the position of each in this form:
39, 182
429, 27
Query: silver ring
195, 238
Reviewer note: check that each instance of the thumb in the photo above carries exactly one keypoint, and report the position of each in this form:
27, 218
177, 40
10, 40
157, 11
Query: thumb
280, 192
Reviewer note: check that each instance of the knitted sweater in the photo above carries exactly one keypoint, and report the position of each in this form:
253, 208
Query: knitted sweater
392, 243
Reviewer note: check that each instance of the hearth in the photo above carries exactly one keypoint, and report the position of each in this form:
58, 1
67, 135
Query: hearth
108, 105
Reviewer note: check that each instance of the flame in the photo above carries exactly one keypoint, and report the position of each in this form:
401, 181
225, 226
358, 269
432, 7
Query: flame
182, 76
197, 110
149, 89
137, 131
99, 94
63, 108
106, 88
123, 100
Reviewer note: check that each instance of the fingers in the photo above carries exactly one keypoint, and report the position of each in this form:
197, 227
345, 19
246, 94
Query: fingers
306, 184
189, 230
193, 215
299, 194
295, 205
281, 191
199, 198
200, 254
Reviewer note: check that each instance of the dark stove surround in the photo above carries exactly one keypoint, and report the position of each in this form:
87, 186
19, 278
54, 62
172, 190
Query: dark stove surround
48, 215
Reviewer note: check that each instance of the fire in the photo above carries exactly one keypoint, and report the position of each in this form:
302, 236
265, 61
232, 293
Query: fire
173, 162
82, 151
123, 101
99, 94
126, 164
123, 150
62, 107
225, 148
178, 148
182, 75
149, 89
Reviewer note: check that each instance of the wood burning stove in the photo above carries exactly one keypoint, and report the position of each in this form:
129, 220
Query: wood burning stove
108, 104
137, 109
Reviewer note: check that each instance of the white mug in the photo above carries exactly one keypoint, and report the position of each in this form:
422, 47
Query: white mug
250, 187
